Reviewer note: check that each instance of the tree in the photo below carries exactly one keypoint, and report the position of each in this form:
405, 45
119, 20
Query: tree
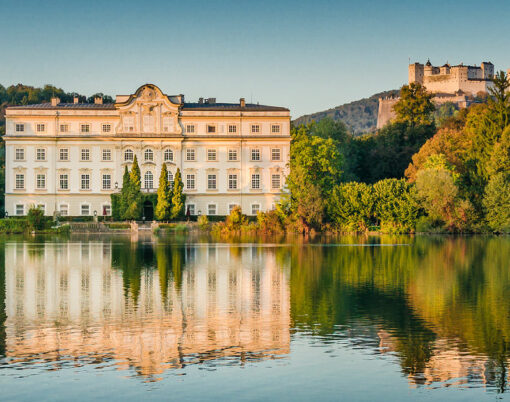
351, 206
496, 202
499, 101
134, 193
163, 207
415, 106
178, 198
126, 188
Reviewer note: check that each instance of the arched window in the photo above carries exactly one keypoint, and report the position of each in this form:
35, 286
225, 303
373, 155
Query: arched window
148, 180
149, 155
169, 155
170, 178
128, 155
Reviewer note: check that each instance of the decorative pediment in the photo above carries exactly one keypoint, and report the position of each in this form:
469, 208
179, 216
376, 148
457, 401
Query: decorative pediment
149, 112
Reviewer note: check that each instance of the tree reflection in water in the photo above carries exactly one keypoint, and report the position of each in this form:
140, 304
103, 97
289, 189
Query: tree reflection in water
440, 304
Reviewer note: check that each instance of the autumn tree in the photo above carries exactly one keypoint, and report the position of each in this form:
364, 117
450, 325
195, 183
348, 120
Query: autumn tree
415, 106
178, 198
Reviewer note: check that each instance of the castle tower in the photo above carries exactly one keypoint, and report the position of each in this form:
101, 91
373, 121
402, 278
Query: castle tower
487, 70
416, 73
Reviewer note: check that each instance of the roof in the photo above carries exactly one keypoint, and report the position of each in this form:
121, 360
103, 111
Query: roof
233, 107
49, 106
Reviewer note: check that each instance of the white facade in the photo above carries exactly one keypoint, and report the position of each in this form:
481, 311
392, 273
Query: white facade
71, 157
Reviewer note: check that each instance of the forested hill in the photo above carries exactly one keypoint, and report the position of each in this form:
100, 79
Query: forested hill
360, 116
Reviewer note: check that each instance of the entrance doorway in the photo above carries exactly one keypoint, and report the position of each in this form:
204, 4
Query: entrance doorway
148, 210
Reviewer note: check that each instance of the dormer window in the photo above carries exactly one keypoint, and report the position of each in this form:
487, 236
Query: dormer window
85, 128
129, 155
149, 155
20, 128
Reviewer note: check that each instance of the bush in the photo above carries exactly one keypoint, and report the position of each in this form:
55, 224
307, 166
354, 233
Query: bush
118, 225
203, 222
36, 219
351, 206
13, 225
270, 222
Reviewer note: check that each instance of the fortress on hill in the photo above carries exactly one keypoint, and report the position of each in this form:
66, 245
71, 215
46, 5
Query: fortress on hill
457, 84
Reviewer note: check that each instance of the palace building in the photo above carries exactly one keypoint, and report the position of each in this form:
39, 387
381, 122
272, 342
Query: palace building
70, 157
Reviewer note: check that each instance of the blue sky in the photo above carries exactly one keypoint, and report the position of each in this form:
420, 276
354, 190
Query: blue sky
306, 55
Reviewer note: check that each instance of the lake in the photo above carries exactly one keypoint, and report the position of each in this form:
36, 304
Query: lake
190, 318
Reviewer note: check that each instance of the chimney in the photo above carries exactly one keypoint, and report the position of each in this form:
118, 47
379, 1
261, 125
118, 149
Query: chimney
55, 101
200, 100
242, 102
76, 100
98, 100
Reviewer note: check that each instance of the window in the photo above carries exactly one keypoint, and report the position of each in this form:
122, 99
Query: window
107, 154
275, 128
275, 181
255, 154
190, 154
231, 207
85, 128
232, 181
148, 179
40, 128
190, 181
232, 154
211, 155
211, 182
42, 207
149, 155
85, 154
20, 128
19, 154
63, 154
107, 210
129, 123
255, 208
129, 155
190, 128
40, 181
106, 128
20, 181
64, 181
170, 178
85, 210
211, 209
168, 155
85, 182
191, 209
107, 181
64, 209
64, 128
255, 128
40, 154
276, 154
211, 129
20, 209
232, 128
255, 181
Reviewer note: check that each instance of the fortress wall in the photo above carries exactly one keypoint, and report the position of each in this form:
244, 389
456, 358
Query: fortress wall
385, 113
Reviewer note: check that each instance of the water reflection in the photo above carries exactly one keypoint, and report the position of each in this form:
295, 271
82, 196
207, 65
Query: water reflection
438, 307
148, 307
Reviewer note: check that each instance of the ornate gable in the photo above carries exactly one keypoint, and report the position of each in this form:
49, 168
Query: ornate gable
149, 112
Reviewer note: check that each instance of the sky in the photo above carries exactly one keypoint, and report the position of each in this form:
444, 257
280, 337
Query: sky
305, 55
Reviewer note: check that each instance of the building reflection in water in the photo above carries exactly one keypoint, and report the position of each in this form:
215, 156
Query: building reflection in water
150, 308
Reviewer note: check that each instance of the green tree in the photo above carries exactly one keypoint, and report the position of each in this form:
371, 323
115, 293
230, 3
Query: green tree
178, 198
415, 106
163, 207
496, 202
134, 193
351, 206
124, 193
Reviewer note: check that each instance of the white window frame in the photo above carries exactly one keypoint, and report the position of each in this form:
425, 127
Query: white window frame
40, 154
60, 151
276, 128
190, 129
212, 155
81, 209
19, 181
85, 152
66, 209
255, 128
40, 181
233, 178
19, 154
273, 177
106, 154
191, 179
191, 155
192, 209
255, 208
166, 153
170, 178
214, 212
62, 180
131, 154
273, 154
148, 178
255, 155
231, 207
233, 152
40, 127
85, 128
19, 127
106, 181
64, 128
212, 181
106, 127
148, 155
108, 209
232, 128
85, 178
255, 180
17, 209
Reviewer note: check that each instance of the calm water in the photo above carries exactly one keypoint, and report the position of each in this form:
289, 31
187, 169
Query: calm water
369, 318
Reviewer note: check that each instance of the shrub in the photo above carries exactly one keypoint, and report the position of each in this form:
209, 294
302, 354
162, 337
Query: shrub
203, 222
270, 222
36, 218
13, 225
351, 206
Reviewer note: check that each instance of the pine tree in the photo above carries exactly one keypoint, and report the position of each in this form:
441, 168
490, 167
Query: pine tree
178, 198
134, 193
126, 183
163, 207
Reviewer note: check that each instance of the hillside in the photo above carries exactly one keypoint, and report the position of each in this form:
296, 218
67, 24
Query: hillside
360, 116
